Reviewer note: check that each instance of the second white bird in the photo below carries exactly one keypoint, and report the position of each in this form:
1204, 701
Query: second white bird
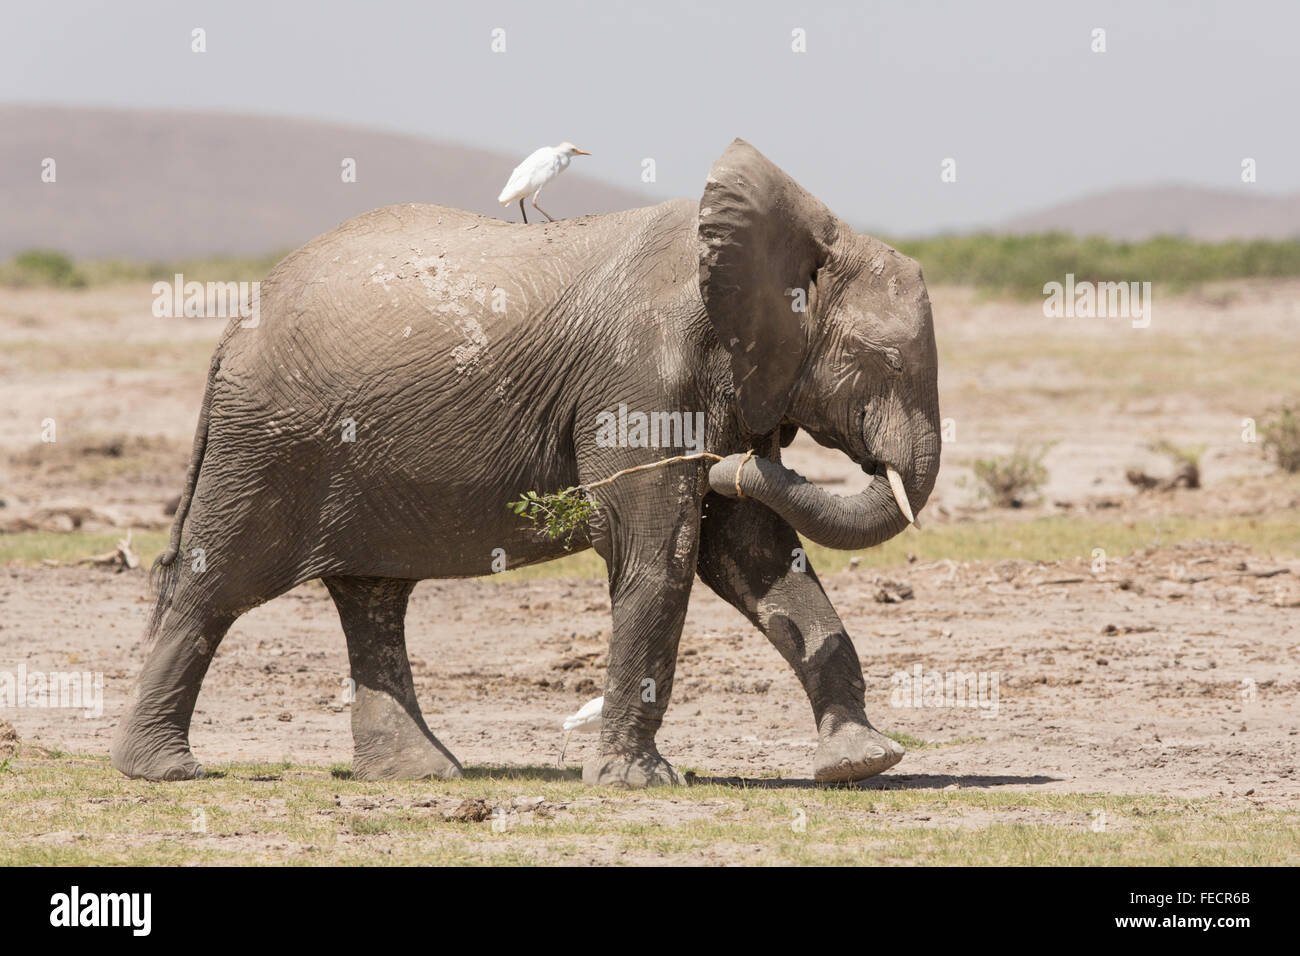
585, 721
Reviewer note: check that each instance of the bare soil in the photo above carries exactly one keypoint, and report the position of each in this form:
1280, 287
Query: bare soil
1172, 671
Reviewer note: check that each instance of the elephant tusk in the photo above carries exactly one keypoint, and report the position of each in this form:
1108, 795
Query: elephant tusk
900, 495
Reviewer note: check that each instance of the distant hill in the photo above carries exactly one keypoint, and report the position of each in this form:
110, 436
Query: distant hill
1193, 212
167, 185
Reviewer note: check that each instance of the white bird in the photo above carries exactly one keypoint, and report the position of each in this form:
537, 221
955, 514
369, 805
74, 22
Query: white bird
535, 172
585, 721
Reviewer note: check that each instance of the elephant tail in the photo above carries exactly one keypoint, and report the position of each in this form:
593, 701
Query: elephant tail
166, 571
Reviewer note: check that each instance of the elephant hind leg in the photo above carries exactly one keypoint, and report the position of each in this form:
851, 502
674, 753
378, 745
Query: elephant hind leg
389, 736
152, 739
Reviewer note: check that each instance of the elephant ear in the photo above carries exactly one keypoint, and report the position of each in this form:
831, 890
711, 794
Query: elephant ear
761, 237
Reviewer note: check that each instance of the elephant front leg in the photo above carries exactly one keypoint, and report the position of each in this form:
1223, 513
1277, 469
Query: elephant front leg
651, 551
748, 557
390, 739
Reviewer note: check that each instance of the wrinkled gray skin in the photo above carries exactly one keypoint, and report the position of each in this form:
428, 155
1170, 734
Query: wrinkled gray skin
389, 321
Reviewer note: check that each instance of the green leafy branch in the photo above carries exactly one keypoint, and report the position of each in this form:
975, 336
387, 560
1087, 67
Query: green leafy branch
563, 514
558, 515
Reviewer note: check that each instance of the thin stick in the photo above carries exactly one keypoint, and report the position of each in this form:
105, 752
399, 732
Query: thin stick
655, 464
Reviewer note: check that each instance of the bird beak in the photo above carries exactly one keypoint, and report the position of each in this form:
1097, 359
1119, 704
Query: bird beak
580, 152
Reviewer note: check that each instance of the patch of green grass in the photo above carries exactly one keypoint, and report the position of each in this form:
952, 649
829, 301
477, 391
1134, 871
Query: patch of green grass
1065, 537
584, 564
1050, 538
1130, 364
1020, 265
52, 269
80, 811
43, 268
203, 269
33, 547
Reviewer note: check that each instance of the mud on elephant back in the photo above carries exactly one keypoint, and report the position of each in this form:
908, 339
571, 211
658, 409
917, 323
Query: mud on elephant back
473, 359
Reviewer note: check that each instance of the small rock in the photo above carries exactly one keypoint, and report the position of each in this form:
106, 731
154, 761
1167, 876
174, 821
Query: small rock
892, 592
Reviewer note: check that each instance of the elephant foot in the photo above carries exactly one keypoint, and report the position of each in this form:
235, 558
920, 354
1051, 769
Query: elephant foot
630, 771
421, 762
156, 754
853, 751
388, 743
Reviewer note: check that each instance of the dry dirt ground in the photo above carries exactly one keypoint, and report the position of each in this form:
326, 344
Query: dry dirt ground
1176, 671
1171, 671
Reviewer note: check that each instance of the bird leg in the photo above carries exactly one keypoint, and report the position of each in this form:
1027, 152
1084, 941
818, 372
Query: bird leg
560, 762
521, 210
539, 208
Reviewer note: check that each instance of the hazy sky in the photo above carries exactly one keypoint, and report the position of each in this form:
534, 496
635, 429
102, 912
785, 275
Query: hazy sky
864, 118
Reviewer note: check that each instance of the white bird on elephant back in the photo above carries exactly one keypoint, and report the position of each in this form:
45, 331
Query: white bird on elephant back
535, 172
585, 721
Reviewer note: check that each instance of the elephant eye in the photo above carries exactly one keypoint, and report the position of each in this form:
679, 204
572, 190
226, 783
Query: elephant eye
893, 358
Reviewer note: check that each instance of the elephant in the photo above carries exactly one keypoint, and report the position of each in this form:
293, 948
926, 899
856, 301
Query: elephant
414, 370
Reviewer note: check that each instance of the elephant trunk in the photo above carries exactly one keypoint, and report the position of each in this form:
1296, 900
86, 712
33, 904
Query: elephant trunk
850, 522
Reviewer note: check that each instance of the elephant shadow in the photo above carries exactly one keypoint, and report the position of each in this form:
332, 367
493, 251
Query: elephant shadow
920, 781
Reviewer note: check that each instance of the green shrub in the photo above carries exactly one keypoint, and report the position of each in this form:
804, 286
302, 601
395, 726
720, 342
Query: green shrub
1187, 462
1021, 265
999, 264
1012, 481
42, 267
1281, 433
49, 269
